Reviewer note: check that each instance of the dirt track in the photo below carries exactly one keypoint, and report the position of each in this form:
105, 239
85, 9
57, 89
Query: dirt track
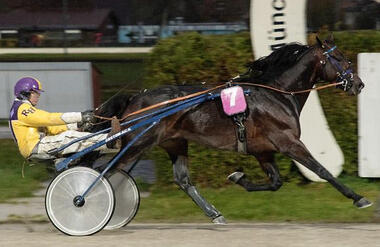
199, 235
179, 235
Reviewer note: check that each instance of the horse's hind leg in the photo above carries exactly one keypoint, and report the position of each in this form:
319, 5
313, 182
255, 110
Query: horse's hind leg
177, 150
182, 178
297, 151
269, 167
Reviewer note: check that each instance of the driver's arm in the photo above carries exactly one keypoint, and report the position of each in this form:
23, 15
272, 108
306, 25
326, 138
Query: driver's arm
34, 117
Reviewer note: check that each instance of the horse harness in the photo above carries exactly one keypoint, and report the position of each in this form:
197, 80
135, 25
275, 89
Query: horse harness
241, 132
344, 76
235, 106
239, 117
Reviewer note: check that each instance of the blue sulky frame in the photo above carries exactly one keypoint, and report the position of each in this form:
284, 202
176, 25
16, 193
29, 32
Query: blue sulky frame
150, 120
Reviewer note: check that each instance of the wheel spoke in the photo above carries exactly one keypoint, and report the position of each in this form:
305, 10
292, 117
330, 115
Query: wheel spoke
82, 220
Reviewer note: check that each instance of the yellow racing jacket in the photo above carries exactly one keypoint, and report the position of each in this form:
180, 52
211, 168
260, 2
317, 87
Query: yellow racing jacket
29, 124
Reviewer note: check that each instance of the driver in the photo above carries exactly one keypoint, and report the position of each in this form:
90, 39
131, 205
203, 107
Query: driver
36, 131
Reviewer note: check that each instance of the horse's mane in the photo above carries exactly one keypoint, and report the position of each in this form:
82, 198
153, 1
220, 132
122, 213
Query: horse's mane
267, 68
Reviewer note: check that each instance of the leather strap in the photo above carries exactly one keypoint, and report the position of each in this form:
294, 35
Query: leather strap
241, 132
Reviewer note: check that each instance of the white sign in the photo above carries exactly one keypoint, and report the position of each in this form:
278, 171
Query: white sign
275, 23
369, 115
317, 136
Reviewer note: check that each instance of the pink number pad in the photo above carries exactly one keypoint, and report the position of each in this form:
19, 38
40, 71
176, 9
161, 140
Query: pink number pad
233, 100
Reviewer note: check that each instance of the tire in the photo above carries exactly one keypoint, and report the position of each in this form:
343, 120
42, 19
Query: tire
127, 197
85, 219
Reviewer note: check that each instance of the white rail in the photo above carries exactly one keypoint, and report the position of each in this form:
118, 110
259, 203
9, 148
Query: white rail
75, 50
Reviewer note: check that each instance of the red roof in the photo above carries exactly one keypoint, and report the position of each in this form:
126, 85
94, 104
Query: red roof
53, 19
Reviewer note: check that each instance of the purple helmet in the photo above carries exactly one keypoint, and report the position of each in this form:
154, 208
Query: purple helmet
26, 85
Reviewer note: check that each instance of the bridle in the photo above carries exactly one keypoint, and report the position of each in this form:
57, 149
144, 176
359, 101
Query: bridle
345, 77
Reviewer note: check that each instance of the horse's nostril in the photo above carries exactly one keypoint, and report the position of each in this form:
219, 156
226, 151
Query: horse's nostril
361, 85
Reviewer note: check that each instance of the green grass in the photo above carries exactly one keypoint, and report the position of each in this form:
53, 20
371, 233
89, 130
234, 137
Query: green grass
118, 74
3, 123
12, 184
315, 202
126, 76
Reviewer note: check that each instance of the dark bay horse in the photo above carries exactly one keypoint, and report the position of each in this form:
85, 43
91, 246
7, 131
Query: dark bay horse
272, 123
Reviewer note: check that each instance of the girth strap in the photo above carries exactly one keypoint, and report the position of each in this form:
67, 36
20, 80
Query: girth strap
241, 132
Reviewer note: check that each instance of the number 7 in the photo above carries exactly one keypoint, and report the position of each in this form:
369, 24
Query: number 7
232, 92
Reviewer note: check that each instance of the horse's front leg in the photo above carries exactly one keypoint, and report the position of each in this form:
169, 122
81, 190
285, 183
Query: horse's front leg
269, 166
296, 150
182, 178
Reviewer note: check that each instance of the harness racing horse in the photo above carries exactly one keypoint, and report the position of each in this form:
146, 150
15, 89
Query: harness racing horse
272, 123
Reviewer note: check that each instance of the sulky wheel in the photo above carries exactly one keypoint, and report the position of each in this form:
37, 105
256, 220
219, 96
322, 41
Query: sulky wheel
127, 198
83, 217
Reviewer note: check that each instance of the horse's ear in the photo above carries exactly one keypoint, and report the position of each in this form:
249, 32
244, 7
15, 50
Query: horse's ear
319, 42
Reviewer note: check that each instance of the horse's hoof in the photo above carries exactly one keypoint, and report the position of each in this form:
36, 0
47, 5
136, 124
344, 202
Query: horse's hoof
363, 203
220, 220
235, 176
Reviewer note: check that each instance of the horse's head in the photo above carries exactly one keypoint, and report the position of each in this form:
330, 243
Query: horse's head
336, 67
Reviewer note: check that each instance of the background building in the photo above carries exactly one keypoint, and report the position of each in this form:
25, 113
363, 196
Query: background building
142, 22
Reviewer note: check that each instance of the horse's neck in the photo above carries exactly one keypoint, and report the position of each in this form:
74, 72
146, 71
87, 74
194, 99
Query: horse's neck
301, 76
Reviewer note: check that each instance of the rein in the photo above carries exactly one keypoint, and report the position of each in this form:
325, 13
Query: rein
214, 88
161, 104
290, 92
